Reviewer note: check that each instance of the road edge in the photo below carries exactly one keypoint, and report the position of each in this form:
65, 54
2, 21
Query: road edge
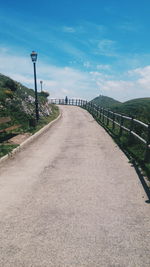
30, 139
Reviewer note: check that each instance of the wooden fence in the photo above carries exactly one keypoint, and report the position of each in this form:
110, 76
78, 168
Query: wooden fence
114, 120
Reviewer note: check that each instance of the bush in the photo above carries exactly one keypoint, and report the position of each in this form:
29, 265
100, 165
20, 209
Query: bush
45, 94
10, 84
9, 93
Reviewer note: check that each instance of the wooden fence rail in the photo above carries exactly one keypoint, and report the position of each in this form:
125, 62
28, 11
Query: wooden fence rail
124, 123
6, 130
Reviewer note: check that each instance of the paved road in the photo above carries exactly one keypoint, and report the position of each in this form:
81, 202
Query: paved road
71, 199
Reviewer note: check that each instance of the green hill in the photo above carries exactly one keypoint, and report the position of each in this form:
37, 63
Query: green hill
138, 108
105, 101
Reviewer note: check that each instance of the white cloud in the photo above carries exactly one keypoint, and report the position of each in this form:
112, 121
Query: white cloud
57, 80
107, 47
136, 84
143, 72
142, 75
62, 81
121, 90
68, 29
130, 26
137, 87
103, 67
87, 64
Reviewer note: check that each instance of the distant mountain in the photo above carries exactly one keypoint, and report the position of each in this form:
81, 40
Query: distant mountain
138, 108
105, 101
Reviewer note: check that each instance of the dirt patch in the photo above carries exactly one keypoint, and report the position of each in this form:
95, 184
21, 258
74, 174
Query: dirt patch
18, 139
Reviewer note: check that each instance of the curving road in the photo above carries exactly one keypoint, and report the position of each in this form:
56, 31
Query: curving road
71, 199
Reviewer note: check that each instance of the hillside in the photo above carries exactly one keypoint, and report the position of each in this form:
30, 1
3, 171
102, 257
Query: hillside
138, 108
105, 101
17, 106
17, 102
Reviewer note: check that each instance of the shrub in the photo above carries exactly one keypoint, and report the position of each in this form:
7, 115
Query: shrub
45, 94
9, 93
10, 84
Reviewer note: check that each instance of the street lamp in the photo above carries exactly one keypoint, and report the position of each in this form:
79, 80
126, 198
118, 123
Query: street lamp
34, 59
41, 85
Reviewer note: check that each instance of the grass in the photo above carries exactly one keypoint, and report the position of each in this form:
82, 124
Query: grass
6, 148
45, 120
18, 103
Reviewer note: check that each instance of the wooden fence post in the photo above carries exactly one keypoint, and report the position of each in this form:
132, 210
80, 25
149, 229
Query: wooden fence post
108, 118
97, 111
121, 124
130, 132
103, 114
99, 114
92, 108
86, 105
147, 150
113, 125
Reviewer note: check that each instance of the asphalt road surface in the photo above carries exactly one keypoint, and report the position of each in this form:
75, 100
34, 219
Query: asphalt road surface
71, 199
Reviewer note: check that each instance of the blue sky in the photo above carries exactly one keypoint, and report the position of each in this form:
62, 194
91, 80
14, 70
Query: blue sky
85, 48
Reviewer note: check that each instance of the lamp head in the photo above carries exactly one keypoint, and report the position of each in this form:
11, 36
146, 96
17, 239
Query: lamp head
33, 56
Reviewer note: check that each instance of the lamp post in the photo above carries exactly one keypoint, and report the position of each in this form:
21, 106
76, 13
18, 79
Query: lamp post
34, 59
41, 82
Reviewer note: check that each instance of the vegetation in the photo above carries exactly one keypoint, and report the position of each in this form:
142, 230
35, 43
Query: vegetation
18, 103
8, 83
45, 120
43, 93
139, 109
134, 149
6, 149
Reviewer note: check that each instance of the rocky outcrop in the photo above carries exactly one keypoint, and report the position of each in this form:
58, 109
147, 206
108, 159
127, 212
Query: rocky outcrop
20, 103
